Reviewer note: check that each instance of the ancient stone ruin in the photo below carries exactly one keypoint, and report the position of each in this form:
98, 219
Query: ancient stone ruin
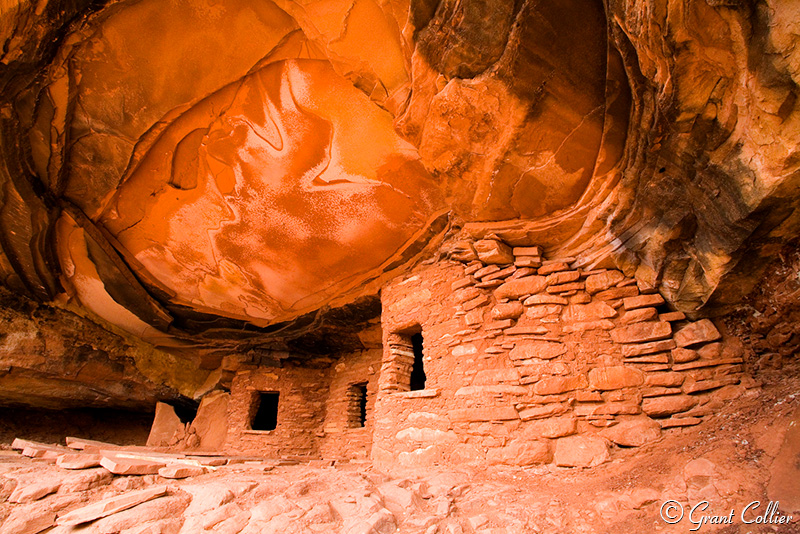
411, 266
523, 360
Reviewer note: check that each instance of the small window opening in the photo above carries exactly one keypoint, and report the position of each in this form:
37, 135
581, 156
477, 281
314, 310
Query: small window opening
357, 412
266, 416
417, 370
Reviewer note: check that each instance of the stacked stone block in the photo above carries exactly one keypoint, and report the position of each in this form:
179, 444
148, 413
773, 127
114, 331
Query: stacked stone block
341, 438
396, 368
301, 411
533, 360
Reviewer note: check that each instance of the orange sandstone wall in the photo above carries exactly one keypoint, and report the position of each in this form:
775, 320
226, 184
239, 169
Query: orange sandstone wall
315, 409
342, 439
533, 361
301, 411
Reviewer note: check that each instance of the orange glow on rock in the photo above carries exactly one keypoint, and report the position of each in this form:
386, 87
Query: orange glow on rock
272, 195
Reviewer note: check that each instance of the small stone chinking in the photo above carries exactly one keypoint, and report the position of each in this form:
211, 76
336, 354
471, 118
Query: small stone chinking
534, 360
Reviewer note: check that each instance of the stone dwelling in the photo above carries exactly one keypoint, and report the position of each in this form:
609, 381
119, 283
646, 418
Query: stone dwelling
495, 354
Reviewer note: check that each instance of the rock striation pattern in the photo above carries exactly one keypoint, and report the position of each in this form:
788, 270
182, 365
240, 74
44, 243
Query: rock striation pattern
56, 359
185, 170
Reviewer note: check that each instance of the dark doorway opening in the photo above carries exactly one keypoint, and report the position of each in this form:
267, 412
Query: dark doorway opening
358, 405
185, 412
417, 370
266, 416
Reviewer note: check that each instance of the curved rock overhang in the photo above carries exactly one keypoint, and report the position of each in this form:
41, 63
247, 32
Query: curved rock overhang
225, 176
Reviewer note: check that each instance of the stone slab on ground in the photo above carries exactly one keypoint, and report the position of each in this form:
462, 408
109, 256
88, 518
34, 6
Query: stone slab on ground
34, 449
211, 461
142, 454
32, 490
78, 461
29, 519
110, 506
131, 466
19, 444
181, 471
211, 422
41, 453
102, 447
81, 444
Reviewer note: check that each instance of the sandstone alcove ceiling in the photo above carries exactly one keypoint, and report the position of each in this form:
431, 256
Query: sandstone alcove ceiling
230, 179
441, 266
226, 177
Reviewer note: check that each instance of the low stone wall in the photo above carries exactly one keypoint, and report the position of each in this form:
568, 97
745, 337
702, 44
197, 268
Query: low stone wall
301, 411
532, 361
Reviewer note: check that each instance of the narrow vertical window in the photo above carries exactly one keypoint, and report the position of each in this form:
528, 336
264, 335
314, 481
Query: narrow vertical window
266, 413
403, 368
417, 369
357, 409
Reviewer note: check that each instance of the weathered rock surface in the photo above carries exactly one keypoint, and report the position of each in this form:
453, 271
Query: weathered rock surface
213, 181
166, 424
56, 359
110, 506
211, 422
581, 451
633, 433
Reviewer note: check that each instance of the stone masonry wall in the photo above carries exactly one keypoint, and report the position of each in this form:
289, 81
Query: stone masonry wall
343, 439
301, 411
533, 361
